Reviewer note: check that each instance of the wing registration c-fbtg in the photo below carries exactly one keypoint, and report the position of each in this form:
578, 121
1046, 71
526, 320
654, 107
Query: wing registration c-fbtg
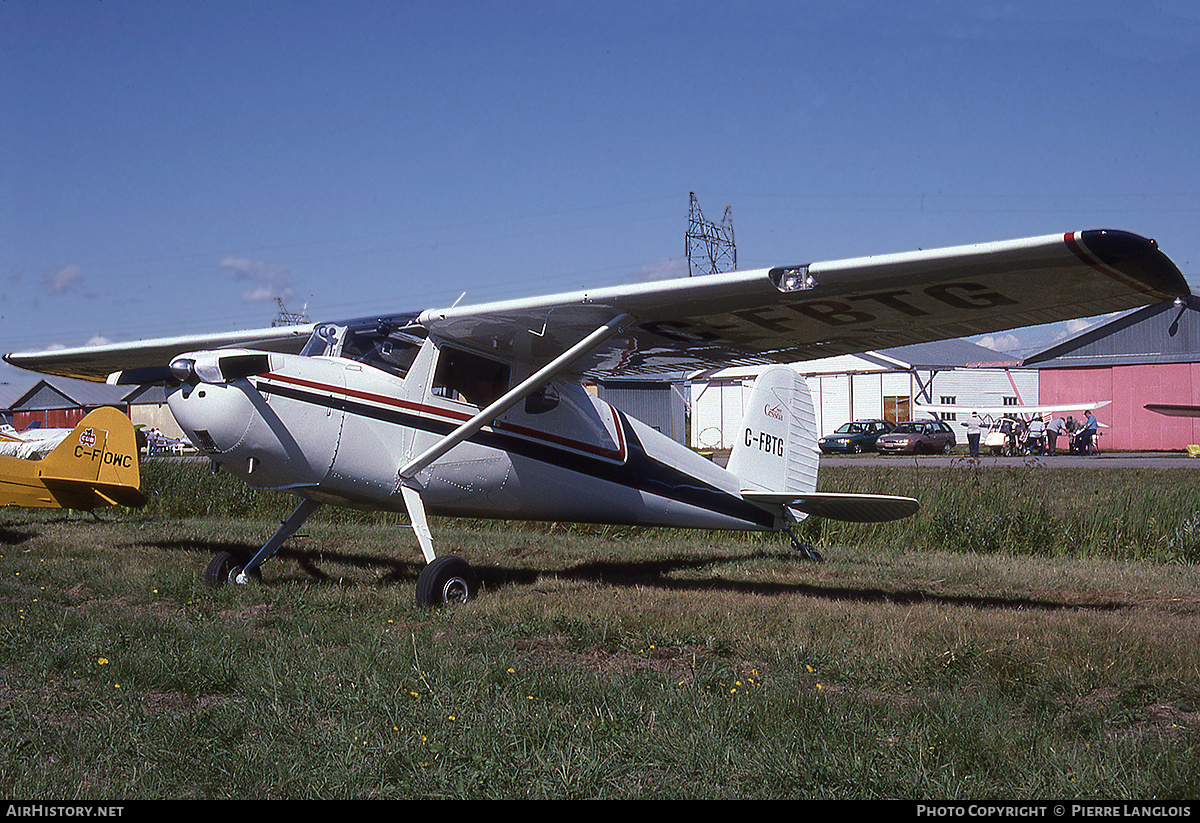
481, 411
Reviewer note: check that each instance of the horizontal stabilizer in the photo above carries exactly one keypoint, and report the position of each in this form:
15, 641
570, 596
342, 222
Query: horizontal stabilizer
852, 508
80, 494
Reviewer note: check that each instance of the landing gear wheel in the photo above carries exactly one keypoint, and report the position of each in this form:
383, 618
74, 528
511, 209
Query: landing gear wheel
448, 579
217, 573
225, 568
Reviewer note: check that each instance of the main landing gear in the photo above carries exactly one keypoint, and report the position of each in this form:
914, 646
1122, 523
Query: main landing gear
444, 580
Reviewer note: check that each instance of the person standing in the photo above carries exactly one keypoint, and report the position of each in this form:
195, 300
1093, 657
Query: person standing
973, 431
1053, 430
1036, 438
1087, 441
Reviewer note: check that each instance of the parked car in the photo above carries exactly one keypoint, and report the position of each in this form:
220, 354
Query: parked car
855, 437
917, 436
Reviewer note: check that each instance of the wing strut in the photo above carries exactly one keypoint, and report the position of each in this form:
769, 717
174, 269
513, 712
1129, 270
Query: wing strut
406, 476
514, 396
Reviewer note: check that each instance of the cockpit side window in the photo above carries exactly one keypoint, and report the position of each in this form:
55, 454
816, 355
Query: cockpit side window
469, 378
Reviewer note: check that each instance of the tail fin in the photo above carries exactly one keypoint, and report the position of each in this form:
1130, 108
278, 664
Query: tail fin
96, 464
776, 450
775, 458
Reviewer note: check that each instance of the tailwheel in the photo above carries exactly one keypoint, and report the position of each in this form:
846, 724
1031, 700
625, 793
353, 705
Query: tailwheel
804, 549
446, 579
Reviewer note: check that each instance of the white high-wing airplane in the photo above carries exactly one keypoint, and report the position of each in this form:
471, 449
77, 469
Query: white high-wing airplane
1025, 411
31, 444
481, 411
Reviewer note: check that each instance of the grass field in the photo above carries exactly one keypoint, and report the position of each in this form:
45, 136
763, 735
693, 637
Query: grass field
1033, 633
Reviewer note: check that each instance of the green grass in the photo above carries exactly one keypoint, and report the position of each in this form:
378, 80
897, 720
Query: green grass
954, 656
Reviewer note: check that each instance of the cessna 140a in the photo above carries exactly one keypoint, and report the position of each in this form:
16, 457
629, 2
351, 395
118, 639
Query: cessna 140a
482, 411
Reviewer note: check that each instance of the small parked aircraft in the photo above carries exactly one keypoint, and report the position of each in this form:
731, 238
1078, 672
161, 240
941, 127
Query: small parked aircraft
93, 466
31, 443
482, 411
1023, 411
1005, 435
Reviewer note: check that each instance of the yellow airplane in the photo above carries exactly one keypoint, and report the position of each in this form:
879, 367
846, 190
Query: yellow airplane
95, 465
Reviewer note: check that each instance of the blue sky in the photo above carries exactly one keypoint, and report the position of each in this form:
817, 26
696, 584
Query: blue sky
173, 167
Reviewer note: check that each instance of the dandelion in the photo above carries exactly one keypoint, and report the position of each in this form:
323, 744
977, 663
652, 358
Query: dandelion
103, 661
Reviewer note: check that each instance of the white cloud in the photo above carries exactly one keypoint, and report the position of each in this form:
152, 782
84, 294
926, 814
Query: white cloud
268, 281
1000, 343
667, 269
63, 280
1074, 327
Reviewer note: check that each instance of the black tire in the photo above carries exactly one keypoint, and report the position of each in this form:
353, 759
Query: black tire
448, 579
224, 567
217, 573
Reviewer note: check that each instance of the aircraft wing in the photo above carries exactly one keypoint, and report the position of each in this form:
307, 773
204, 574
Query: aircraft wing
98, 362
1174, 409
783, 314
795, 313
1000, 411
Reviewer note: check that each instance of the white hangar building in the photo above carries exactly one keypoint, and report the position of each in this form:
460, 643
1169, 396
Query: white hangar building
884, 384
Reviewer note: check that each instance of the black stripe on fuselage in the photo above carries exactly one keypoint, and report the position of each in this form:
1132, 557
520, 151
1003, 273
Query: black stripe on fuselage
639, 471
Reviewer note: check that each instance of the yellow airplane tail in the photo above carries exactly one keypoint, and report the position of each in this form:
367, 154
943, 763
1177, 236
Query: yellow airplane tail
96, 464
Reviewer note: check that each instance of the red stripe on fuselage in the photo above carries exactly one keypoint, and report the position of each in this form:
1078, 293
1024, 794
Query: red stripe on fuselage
618, 454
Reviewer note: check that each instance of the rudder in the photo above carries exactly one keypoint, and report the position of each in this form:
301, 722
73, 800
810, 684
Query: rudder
98, 459
776, 449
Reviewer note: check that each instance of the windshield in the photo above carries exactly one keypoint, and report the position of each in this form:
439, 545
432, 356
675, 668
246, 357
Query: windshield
850, 428
380, 344
908, 428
